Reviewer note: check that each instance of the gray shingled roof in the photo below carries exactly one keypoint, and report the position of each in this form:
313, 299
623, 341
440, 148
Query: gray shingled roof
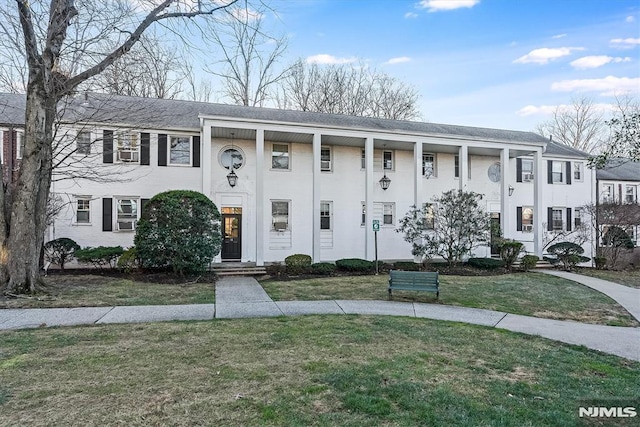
169, 113
557, 149
620, 170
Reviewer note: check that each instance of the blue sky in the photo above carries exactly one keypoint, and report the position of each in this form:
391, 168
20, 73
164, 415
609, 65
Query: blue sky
488, 63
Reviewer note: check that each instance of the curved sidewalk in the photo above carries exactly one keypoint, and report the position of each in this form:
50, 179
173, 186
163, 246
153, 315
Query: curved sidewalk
244, 297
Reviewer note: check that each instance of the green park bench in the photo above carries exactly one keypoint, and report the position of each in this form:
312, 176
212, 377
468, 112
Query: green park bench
414, 281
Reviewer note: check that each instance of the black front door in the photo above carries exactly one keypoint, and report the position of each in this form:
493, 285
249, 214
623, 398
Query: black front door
496, 233
231, 242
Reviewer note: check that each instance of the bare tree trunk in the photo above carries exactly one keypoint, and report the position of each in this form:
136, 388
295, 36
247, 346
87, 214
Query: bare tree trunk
28, 212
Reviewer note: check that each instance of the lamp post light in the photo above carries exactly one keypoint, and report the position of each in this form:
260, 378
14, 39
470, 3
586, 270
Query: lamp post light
384, 182
511, 190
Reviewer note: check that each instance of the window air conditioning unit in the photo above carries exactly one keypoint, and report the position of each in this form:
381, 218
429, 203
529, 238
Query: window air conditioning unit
280, 226
527, 177
325, 165
527, 227
126, 225
128, 155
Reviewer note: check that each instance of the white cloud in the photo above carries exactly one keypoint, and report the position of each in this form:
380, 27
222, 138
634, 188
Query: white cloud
326, 59
596, 61
439, 5
559, 36
607, 86
630, 19
398, 60
410, 15
545, 54
627, 43
546, 110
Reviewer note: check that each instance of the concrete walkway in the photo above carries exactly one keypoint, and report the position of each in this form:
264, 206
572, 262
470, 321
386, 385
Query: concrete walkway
239, 297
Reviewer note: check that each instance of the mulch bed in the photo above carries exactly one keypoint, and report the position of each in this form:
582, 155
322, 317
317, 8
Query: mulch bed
145, 276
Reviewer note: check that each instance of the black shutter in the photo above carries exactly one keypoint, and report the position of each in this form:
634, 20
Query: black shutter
107, 146
519, 217
145, 146
549, 171
107, 221
549, 219
162, 149
196, 151
518, 170
569, 172
143, 203
569, 219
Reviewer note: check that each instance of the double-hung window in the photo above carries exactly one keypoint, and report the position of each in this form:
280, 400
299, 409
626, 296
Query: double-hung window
429, 165
557, 172
630, 194
527, 219
607, 193
280, 215
325, 159
325, 215
179, 150
83, 143
456, 166
387, 160
280, 156
83, 210
527, 170
557, 218
128, 147
577, 218
387, 213
19, 144
127, 214
577, 171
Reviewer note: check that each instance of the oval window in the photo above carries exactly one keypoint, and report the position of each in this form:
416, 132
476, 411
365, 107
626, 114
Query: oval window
232, 157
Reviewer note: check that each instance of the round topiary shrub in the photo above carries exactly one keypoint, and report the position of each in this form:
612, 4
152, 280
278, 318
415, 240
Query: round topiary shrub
323, 268
179, 229
61, 250
297, 263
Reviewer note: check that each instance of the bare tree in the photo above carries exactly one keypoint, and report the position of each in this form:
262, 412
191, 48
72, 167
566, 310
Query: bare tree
63, 44
624, 135
249, 66
348, 89
580, 125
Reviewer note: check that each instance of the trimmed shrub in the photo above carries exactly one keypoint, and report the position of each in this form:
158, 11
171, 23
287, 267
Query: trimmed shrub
179, 229
355, 264
618, 238
600, 262
323, 268
128, 261
61, 250
101, 257
297, 263
486, 263
566, 253
529, 261
509, 251
275, 269
406, 266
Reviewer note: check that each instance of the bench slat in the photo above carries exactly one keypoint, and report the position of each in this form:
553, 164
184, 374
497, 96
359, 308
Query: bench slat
414, 281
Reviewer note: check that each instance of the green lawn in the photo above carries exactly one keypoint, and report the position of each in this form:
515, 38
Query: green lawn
629, 278
95, 290
531, 294
303, 371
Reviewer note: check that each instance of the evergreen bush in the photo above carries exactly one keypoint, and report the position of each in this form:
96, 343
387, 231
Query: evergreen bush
101, 257
323, 268
61, 250
486, 263
529, 261
355, 265
297, 263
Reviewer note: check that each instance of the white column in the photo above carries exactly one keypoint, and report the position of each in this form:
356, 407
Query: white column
317, 140
368, 200
463, 166
417, 175
538, 207
505, 212
205, 161
260, 212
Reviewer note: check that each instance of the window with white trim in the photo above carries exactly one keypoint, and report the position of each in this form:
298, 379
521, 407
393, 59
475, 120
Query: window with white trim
280, 215
456, 167
557, 218
128, 147
428, 165
83, 210
607, 194
127, 214
83, 143
527, 219
179, 150
325, 159
325, 215
557, 172
630, 193
578, 171
388, 213
429, 216
19, 144
577, 218
280, 156
527, 170
387, 160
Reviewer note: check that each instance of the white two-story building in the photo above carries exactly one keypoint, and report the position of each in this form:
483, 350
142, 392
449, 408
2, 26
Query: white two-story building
297, 182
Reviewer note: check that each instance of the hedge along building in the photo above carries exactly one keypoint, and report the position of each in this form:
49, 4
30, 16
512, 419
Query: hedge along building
298, 182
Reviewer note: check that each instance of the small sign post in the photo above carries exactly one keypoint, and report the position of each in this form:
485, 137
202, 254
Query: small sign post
376, 228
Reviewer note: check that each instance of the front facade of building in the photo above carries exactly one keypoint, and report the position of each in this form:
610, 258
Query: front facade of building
306, 183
